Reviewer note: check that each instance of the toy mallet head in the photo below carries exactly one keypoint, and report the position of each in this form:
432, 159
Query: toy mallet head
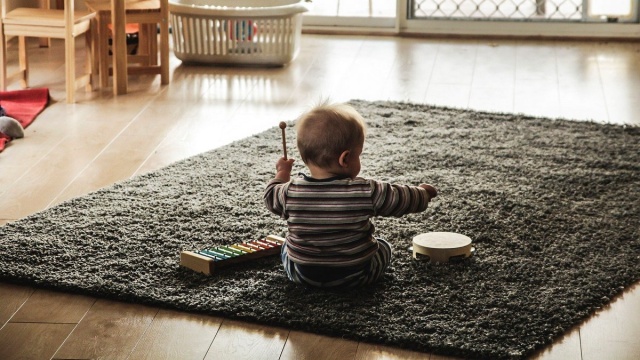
283, 125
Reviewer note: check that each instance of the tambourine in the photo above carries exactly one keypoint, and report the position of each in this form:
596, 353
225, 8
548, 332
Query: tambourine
441, 247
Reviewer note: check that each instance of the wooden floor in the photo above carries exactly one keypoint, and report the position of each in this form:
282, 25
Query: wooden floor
74, 149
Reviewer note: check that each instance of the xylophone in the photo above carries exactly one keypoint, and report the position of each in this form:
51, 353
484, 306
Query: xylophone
206, 261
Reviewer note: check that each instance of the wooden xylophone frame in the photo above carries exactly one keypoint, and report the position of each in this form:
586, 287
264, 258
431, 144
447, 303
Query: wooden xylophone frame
207, 260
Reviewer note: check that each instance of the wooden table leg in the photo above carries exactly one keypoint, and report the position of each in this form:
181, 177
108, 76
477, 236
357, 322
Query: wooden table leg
44, 41
119, 47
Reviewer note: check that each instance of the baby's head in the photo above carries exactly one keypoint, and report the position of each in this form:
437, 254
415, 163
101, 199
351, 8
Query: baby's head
328, 130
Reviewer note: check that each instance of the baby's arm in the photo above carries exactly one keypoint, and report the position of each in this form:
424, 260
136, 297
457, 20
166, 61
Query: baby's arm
398, 200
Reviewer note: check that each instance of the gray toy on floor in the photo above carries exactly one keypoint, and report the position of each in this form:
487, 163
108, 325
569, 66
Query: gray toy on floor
11, 127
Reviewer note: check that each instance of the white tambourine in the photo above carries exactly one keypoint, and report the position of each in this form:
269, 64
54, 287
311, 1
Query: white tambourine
442, 247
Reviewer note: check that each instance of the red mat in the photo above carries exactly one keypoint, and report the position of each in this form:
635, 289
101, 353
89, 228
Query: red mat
24, 106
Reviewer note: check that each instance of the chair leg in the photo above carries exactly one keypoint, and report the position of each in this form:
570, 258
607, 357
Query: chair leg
152, 31
145, 50
3, 61
164, 52
70, 69
45, 41
104, 60
90, 59
119, 48
23, 61
94, 38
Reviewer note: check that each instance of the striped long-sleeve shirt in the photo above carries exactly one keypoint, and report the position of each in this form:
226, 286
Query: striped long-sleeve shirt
329, 220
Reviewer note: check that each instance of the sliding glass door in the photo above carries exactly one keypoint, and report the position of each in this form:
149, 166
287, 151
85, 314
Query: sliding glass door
350, 14
526, 10
561, 18
556, 18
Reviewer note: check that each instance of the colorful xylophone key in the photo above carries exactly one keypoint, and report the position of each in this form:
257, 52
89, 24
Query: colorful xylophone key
207, 260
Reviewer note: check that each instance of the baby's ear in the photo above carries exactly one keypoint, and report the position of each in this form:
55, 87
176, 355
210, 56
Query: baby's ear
343, 160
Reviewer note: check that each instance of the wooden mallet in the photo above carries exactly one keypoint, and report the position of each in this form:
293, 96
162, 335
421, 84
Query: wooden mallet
283, 125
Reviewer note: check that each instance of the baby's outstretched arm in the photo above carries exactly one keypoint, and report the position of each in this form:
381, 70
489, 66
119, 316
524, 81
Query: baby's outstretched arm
433, 192
283, 169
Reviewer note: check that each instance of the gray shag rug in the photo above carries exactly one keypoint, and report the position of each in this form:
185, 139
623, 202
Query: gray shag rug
551, 205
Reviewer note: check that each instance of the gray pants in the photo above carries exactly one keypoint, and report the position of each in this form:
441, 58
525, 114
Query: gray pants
350, 277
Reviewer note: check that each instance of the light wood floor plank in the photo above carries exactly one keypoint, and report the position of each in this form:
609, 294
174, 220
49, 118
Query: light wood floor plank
53, 307
455, 63
613, 333
567, 347
110, 330
242, 341
378, 352
411, 71
120, 158
176, 335
302, 346
13, 297
495, 65
32, 340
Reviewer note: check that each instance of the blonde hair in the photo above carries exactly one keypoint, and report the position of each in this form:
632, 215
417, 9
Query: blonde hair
327, 130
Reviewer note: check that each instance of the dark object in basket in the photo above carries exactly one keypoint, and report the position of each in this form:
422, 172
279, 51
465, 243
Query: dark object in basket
132, 43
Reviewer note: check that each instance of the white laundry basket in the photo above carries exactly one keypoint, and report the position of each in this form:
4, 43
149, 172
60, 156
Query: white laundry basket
249, 32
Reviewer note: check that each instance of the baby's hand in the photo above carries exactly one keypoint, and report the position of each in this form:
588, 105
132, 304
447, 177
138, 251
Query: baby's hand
284, 165
433, 192
283, 169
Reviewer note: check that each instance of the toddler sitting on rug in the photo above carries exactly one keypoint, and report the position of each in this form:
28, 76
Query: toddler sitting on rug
331, 240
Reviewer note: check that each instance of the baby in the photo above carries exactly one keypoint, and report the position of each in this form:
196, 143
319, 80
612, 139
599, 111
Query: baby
331, 240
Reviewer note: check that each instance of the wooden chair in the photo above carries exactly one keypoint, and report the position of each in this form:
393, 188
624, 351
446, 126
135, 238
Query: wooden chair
65, 24
151, 15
